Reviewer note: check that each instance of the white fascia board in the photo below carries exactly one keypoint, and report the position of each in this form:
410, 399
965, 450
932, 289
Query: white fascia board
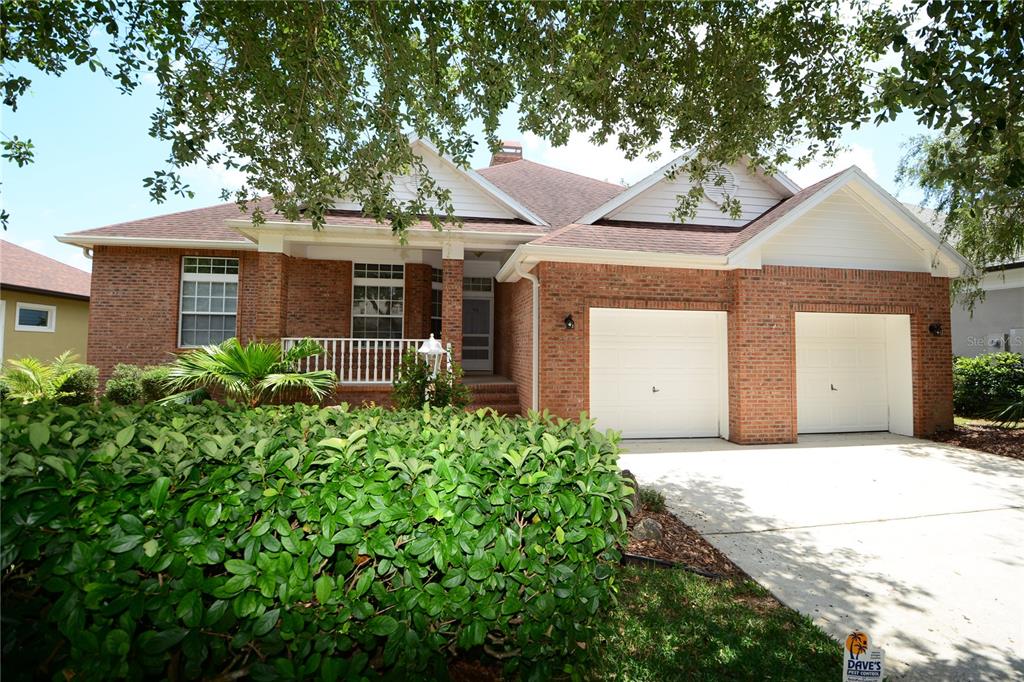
364, 235
488, 187
530, 254
632, 192
90, 241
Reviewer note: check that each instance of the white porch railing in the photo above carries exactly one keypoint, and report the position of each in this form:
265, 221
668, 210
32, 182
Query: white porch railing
356, 361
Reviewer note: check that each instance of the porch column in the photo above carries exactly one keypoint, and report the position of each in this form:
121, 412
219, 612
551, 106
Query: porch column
270, 287
417, 300
451, 306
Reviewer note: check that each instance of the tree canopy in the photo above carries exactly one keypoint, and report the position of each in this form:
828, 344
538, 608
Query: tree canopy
317, 100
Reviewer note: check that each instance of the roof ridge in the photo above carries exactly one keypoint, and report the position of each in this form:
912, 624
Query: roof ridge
554, 168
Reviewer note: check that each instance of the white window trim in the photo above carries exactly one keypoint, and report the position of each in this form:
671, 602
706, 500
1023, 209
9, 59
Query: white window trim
375, 282
203, 277
51, 318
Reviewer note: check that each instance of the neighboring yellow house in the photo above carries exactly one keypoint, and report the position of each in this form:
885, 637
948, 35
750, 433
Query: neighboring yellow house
44, 305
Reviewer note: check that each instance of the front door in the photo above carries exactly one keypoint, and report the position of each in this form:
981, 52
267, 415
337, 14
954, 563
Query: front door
477, 334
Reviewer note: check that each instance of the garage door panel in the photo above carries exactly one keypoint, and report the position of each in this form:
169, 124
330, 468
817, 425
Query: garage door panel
842, 371
681, 354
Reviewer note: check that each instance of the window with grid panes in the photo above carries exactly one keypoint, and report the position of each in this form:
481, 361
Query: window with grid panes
209, 300
378, 298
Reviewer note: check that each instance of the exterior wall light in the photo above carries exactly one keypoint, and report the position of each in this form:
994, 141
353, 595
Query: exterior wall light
935, 329
569, 322
432, 350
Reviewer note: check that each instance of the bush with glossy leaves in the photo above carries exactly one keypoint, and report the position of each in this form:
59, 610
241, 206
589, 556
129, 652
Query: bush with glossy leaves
185, 541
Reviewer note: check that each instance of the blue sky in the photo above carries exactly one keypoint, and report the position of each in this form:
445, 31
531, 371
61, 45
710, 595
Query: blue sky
92, 151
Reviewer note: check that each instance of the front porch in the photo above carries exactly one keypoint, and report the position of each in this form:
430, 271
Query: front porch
366, 369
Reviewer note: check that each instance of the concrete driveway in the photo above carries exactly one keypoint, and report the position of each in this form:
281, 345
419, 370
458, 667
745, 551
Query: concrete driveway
919, 543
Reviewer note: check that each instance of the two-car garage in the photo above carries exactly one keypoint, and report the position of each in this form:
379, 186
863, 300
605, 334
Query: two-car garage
664, 373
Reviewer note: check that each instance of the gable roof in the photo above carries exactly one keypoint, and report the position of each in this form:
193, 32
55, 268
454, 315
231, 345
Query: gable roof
519, 209
558, 196
883, 203
23, 269
713, 246
786, 186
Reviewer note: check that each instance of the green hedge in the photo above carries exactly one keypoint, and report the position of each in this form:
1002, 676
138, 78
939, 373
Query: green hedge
984, 383
124, 385
295, 541
81, 386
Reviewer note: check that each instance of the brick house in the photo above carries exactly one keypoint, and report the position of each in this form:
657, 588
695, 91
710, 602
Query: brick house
820, 309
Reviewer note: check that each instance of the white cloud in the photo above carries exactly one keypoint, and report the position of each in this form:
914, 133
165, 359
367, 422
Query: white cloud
604, 162
65, 253
853, 155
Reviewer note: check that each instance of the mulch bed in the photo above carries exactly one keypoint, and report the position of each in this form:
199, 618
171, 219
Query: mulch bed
993, 439
681, 545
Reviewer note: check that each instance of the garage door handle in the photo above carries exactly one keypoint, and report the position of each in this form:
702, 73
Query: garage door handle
833, 386
654, 389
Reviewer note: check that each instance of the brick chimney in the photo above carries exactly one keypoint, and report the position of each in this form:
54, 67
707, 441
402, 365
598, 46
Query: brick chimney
510, 151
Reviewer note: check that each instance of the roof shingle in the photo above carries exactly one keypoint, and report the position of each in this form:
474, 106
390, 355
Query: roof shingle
557, 196
25, 269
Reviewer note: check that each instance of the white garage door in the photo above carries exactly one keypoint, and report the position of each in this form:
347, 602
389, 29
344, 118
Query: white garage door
658, 373
853, 373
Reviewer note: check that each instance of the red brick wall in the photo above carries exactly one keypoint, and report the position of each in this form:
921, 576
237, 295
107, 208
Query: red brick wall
761, 306
513, 330
417, 301
574, 288
451, 306
762, 384
319, 298
133, 312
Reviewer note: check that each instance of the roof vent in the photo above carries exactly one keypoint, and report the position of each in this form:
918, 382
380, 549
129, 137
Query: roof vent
510, 151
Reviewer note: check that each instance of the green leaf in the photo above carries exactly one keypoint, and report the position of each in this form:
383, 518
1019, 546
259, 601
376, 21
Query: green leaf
125, 435
212, 515
151, 547
125, 543
382, 626
117, 643
479, 569
239, 567
323, 587
347, 536
158, 491
190, 609
266, 622
560, 535
153, 642
38, 434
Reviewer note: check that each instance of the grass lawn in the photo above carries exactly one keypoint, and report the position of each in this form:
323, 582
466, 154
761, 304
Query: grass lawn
674, 625
974, 421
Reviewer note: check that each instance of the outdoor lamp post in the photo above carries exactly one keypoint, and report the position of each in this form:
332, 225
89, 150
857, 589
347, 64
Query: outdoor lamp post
432, 350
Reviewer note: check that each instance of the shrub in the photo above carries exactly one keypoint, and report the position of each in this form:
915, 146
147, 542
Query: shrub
652, 500
80, 386
985, 382
124, 386
414, 386
253, 373
300, 542
30, 379
154, 382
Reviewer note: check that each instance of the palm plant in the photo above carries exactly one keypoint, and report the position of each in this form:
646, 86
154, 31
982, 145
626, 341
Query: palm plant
30, 379
249, 373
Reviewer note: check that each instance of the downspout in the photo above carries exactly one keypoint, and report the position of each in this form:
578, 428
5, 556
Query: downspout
535, 351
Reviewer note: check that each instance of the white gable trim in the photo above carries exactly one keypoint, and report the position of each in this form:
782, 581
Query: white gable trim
484, 185
888, 208
779, 181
